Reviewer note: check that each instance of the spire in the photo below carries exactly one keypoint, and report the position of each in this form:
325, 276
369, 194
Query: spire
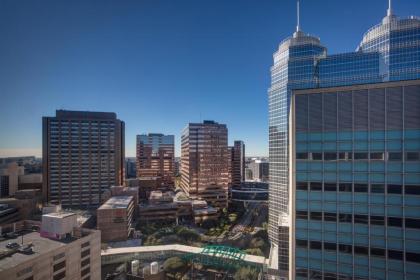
298, 16
389, 12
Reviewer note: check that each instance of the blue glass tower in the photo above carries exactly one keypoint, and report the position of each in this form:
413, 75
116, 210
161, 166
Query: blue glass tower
341, 130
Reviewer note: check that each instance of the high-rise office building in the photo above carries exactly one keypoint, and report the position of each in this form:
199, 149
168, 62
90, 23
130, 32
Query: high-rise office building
204, 162
237, 163
156, 156
83, 156
353, 160
259, 169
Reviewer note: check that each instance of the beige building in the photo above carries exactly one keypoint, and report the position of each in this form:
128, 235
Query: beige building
205, 162
74, 255
9, 178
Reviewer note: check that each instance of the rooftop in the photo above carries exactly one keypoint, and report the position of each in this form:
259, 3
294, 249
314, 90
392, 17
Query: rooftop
59, 214
117, 202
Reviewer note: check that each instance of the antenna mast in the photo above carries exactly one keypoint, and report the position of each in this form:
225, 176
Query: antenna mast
298, 16
389, 12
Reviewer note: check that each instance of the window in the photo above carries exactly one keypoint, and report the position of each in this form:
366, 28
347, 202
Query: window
86, 244
395, 222
410, 189
330, 246
59, 256
85, 271
395, 189
316, 186
330, 156
60, 275
360, 156
317, 216
360, 250
316, 245
412, 257
85, 262
345, 187
396, 255
394, 156
302, 186
85, 253
342, 156
343, 248
330, 187
316, 156
361, 219
377, 188
377, 220
59, 265
412, 156
301, 155
360, 187
377, 156
330, 217
345, 218
302, 215
302, 243
412, 223
379, 252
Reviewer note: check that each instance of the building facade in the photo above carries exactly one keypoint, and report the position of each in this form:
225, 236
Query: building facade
156, 157
205, 162
9, 178
259, 170
83, 156
237, 163
388, 52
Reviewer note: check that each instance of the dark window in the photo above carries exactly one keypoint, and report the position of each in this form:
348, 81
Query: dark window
59, 265
345, 248
395, 222
395, 156
85, 244
377, 252
330, 156
377, 220
85, 262
330, 217
360, 250
345, 187
302, 215
410, 189
301, 155
85, 253
412, 223
345, 218
330, 187
377, 156
85, 271
361, 219
60, 275
377, 188
330, 246
302, 272
360, 156
316, 216
342, 155
349, 155
301, 243
412, 257
360, 187
302, 186
396, 255
397, 189
412, 156
316, 156
330, 276
316, 186
316, 245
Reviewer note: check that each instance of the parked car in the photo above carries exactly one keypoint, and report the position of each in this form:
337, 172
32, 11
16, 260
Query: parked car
12, 245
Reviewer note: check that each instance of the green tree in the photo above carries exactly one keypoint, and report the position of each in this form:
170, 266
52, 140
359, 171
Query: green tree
255, 252
246, 273
174, 265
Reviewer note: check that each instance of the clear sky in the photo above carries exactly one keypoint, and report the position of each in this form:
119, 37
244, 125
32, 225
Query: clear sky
158, 64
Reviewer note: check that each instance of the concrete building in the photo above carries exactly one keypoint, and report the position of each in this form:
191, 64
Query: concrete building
9, 178
205, 162
259, 170
156, 157
237, 163
83, 155
115, 218
344, 136
70, 252
30, 181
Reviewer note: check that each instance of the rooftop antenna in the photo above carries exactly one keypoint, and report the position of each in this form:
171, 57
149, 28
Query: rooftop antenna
389, 12
298, 16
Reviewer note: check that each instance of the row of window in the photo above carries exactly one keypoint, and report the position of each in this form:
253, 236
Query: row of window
358, 219
331, 156
358, 250
359, 188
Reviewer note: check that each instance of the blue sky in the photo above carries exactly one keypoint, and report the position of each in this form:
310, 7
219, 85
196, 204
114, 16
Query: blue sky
158, 64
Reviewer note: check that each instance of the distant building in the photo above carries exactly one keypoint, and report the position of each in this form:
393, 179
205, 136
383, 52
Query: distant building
205, 161
62, 251
83, 155
8, 214
259, 170
115, 218
130, 168
237, 163
30, 181
9, 178
156, 156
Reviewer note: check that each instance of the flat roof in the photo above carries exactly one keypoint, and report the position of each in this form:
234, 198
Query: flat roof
117, 202
59, 214
41, 245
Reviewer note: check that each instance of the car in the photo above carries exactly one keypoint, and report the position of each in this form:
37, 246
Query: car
12, 245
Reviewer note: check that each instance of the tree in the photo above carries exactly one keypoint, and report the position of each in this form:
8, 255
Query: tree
255, 252
174, 264
246, 273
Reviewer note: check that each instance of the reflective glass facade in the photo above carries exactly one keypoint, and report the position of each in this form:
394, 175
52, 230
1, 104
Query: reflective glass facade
388, 52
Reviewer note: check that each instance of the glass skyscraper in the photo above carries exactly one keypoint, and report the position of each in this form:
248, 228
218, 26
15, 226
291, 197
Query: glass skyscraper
344, 136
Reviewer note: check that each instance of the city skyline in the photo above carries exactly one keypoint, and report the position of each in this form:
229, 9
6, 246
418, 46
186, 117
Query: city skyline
115, 68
